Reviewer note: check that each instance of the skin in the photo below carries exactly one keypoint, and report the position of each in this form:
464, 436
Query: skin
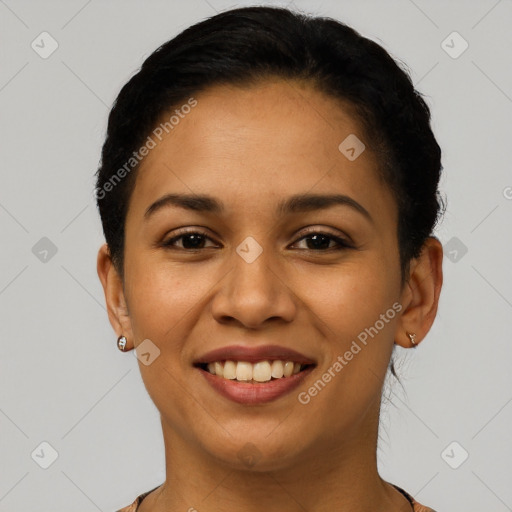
250, 148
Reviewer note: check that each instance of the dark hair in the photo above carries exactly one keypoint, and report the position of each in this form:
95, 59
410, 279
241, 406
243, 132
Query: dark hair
247, 45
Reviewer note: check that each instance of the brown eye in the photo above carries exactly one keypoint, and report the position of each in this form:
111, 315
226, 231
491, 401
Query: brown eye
319, 242
191, 240
315, 241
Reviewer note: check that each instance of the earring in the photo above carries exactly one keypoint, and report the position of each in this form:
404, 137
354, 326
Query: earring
412, 337
121, 343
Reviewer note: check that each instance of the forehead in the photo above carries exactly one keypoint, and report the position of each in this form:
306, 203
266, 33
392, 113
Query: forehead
255, 143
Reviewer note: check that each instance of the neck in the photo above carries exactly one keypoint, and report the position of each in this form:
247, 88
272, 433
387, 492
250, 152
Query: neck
329, 476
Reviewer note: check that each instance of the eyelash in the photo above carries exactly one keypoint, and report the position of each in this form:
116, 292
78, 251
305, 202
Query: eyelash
343, 244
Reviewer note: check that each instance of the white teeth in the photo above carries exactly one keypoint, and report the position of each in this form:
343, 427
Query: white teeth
217, 367
229, 370
288, 368
243, 371
277, 369
262, 371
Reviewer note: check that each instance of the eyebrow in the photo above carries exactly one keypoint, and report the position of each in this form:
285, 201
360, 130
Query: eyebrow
294, 204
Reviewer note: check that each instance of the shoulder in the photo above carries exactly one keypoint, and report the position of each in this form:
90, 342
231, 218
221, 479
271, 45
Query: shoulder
418, 507
130, 508
135, 505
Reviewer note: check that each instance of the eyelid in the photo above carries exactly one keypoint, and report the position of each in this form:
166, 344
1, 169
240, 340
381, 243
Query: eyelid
343, 241
341, 237
186, 231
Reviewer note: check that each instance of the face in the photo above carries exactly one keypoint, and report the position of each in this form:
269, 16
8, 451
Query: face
250, 267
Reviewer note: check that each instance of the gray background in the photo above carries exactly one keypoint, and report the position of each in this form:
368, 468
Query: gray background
63, 380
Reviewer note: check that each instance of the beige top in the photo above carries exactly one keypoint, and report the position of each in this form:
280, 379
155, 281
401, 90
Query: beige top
415, 506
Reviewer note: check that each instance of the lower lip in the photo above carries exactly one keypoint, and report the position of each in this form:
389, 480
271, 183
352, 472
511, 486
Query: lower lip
259, 393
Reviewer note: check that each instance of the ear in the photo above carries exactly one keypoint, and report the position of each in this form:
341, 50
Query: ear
420, 295
114, 295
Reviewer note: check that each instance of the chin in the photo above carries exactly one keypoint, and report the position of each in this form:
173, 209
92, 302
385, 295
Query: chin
257, 453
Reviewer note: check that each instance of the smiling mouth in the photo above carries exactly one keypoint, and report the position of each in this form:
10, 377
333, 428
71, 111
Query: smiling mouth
253, 373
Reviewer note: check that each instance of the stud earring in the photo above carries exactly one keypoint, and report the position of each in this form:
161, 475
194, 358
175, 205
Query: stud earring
121, 343
412, 337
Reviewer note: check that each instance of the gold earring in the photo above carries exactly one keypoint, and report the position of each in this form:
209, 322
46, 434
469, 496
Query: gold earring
412, 337
121, 343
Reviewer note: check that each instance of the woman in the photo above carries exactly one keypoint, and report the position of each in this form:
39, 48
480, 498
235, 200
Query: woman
268, 191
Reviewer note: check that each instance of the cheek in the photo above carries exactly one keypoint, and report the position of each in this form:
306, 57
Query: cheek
161, 301
158, 293
358, 341
357, 308
353, 297
164, 306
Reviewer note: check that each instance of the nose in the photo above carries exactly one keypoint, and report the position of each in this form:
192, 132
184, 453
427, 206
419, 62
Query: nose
254, 293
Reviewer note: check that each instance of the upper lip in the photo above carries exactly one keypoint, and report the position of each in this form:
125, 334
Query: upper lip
253, 354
